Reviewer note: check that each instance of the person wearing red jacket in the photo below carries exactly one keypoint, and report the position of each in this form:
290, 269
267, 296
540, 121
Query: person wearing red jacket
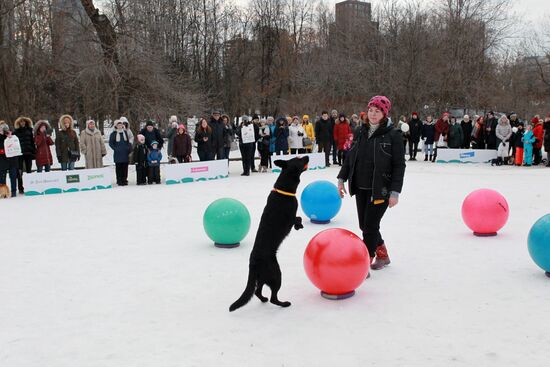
341, 131
538, 131
441, 133
43, 142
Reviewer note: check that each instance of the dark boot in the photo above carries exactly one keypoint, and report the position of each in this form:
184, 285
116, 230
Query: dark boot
382, 258
431, 158
426, 158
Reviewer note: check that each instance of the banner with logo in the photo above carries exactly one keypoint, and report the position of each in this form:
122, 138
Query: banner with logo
196, 171
316, 160
465, 155
60, 182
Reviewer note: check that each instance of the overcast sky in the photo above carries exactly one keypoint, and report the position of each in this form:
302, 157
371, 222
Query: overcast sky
532, 10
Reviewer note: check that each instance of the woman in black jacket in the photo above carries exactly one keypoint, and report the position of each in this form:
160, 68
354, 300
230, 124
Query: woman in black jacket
374, 169
24, 132
203, 138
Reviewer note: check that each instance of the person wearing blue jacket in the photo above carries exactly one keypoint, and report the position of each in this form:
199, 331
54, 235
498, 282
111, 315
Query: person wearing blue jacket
281, 136
119, 141
273, 139
428, 137
528, 141
153, 159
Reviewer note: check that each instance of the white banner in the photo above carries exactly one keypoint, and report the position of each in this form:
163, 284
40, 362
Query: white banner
316, 160
465, 155
60, 182
196, 171
12, 147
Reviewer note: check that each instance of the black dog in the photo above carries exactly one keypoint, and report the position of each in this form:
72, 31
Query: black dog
277, 220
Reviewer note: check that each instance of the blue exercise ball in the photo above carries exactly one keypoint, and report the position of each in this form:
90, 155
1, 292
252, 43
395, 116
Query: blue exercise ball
539, 243
321, 201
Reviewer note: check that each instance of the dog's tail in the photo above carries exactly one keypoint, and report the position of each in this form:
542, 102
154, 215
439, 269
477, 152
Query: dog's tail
248, 292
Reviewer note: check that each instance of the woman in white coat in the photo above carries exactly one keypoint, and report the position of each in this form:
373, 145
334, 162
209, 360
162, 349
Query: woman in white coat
296, 135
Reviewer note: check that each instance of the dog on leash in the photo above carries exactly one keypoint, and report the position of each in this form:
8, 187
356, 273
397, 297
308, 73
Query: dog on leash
4, 191
277, 220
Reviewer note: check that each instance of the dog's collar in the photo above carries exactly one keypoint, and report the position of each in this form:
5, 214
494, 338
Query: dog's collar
284, 192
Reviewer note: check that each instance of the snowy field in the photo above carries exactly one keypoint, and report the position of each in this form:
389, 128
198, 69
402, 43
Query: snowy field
127, 277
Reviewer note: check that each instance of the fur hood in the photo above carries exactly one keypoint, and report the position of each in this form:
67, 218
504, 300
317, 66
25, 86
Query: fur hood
22, 121
62, 125
40, 123
90, 132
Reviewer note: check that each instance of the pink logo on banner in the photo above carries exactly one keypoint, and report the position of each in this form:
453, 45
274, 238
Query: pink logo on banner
199, 169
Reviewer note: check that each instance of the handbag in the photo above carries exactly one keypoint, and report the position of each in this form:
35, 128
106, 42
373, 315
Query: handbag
74, 155
307, 141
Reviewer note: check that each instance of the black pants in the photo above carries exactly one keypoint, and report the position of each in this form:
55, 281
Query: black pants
218, 154
205, 155
141, 173
341, 156
537, 156
264, 156
413, 148
25, 163
324, 146
154, 174
121, 170
334, 151
247, 153
297, 150
370, 216
467, 142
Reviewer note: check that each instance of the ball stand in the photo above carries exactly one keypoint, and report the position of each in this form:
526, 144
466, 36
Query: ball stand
337, 297
219, 245
485, 234
315, 221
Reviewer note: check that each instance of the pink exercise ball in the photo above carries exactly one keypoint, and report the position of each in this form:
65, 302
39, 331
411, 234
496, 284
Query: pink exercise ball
485, 212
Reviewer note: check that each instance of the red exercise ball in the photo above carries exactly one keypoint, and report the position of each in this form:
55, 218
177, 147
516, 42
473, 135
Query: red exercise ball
485, 212
337, 262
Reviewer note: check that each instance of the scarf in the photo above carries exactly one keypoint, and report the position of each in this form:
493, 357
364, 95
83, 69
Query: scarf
119, 133
373, 128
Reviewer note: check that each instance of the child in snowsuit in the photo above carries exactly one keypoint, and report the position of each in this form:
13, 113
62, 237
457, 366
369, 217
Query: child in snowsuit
528, 141
518, 145
153, 159
140, 160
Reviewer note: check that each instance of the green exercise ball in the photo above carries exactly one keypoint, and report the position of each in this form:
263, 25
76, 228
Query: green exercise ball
227, 222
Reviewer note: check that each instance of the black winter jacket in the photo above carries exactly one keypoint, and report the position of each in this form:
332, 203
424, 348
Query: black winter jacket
152, 136
323, 131
415, 129
26, 139
376, 163
218, 128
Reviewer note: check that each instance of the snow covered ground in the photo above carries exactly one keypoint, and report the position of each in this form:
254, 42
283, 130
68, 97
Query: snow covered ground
127, 277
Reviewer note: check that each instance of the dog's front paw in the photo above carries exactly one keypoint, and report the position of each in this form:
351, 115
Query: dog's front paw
298, 223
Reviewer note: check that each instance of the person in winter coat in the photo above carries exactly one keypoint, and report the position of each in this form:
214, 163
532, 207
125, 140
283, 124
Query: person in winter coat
67, 147
263, 144
217, 128
8, 165
171, 134
456, 136
92, 146
333, 118
538, 132
514, 122
467, 127
310, 133
228, 135
341, 132
546, 126
490, 131
182, 145
140, 160
399, 126
126, 123
296, 135
151, 134
153, 162
120, 144
478, 134
441, 133
517, 140
355, 122
428, 137
528, 141
374, 170
248, 134
203, 138
272, 139
24, 131
281, 136
503, 133
43, 142
415, 132
323, 131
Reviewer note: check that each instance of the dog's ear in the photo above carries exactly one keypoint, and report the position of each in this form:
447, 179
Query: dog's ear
281, 163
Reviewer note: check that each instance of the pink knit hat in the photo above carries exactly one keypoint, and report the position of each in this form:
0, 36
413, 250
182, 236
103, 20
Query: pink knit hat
382, 103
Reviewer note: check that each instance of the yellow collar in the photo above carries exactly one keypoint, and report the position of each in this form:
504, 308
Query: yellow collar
284, 192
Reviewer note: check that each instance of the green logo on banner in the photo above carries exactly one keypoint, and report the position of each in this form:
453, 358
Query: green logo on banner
73, 179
